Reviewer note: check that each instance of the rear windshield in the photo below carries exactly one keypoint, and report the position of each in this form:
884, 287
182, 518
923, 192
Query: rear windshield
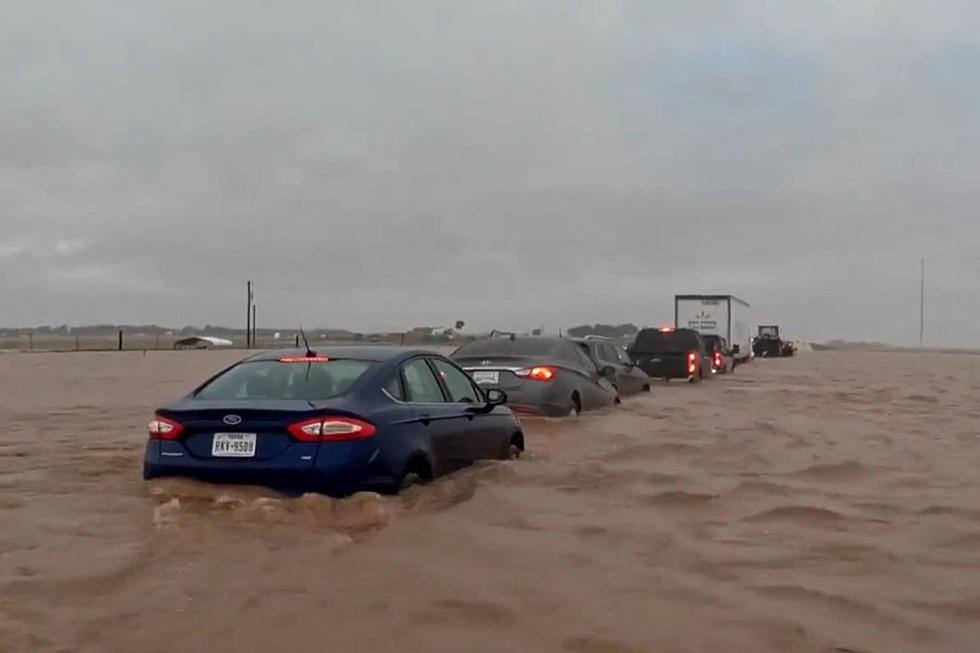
505, 347
272, 379
665, 341
712, 341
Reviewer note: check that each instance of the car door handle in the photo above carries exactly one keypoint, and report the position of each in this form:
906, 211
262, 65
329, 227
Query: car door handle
425, 419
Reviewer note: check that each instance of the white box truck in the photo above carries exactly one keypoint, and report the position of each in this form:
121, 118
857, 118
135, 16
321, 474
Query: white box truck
722, 315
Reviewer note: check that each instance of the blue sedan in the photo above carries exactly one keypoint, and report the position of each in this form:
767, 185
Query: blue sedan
336, 421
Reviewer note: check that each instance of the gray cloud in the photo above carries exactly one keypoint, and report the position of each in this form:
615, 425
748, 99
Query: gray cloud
378, 164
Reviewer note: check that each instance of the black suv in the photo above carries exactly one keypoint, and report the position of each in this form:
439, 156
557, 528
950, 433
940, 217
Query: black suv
672, 354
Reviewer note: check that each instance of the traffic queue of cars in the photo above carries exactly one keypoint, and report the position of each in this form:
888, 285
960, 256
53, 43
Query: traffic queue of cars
348, 419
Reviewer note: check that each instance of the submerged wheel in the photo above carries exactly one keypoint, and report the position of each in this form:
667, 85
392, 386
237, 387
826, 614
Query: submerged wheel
417, 472
515, 447
576, 408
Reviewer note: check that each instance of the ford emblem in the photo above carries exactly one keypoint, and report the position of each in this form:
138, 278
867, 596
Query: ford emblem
232, 420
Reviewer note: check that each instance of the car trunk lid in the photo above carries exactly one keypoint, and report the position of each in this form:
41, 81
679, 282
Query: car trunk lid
663, 363
241, 430
498, 371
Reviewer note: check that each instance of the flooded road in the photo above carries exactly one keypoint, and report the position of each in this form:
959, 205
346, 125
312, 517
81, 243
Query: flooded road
825, 503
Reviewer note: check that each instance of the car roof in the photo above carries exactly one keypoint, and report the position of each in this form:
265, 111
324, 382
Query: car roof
517, 337
377, 353
670, 329
546, 342
594, 341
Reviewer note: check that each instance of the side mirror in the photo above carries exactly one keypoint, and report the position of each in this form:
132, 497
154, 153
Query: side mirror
607, 371
736, 349
496, 397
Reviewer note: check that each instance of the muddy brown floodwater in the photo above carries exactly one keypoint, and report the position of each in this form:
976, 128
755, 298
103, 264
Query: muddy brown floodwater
824, 503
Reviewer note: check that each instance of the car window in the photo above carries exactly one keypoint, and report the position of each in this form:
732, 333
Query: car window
576, 354
394, 387
275, 379
621, 355
670, 341
607, 353
421, 385
505, 347
460, 387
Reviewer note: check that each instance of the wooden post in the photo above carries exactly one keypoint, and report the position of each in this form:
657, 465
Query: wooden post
120, 340
255, 334
77, 347
922, 306
248, 316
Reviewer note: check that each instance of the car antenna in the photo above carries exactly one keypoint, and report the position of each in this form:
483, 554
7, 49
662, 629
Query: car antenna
309, 352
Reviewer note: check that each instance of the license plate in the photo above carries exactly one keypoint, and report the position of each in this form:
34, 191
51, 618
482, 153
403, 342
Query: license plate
486, 377
233, 445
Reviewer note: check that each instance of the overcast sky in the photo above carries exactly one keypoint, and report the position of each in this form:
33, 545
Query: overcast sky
379, 165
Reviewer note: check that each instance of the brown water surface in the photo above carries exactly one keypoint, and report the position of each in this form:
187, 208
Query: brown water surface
825, 503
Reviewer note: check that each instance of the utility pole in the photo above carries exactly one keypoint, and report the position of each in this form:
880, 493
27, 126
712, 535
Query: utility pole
922, 305
255, 328
248, 316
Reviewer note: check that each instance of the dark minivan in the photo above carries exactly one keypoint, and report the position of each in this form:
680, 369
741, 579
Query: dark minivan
670, 353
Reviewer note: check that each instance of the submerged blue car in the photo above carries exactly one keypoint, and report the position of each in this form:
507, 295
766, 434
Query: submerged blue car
335, 421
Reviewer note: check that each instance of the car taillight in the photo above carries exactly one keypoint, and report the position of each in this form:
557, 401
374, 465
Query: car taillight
537, 373
162, 428
717, 359
692, 360
331, 429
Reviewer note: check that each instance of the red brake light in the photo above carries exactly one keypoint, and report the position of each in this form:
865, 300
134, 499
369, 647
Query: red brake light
692, 362
537, 373
331, 429
303, 359
162, 428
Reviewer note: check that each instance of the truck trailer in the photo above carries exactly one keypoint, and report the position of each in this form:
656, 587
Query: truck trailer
722, 315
